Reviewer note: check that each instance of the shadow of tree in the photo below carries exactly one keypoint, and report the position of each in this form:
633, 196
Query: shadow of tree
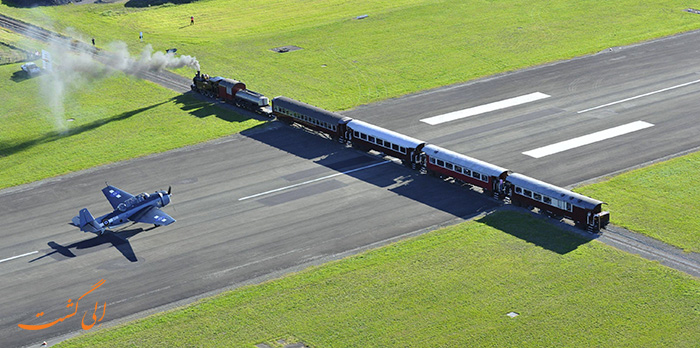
54, 135
146, 3
33, 3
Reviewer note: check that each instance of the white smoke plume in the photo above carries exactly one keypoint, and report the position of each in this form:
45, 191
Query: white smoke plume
75, 66
148, 60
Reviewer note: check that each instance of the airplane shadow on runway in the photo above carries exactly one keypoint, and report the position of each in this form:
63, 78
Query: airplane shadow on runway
119, 240
448, 197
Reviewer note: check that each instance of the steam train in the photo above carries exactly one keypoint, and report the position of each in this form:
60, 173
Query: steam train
231, 91
502, 184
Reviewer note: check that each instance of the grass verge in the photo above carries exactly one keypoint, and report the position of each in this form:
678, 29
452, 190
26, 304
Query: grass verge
115, 118
449, 288
403, 46
659, 201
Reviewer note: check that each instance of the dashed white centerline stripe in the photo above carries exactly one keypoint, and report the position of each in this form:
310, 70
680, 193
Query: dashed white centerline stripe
18, 256
641, 96
587, 139
310, 181
502, 104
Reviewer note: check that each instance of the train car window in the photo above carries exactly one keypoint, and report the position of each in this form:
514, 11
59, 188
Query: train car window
441, 163
537, 196
458, 169
402, 149
379, 142
397, 148
546, 200
568, 207
527, 193
518, 189
363, 136
357, 134
449, 166
370, 139
476, 175
432, 160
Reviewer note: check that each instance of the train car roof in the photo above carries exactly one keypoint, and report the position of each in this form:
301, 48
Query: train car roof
385, 134
463, 160
552, 191
310, 110
228, 82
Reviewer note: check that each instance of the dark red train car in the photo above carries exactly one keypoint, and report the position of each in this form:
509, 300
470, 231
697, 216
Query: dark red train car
585, 211
227, 88
293, 111
442, 161
366, 136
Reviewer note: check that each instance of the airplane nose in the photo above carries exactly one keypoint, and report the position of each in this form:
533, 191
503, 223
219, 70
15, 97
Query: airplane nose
165, 199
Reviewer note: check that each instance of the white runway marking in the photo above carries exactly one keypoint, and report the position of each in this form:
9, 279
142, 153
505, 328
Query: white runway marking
588, 139
456, 115
18, 256
641, 96
310, 181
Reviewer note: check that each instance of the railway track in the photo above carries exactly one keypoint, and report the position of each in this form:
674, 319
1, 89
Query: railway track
164, 78
616, 237
652, 249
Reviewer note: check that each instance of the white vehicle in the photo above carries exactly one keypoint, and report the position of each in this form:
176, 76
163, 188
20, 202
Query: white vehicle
31, 69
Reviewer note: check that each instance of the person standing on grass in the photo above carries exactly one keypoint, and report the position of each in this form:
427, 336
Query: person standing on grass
93, 41
191, 20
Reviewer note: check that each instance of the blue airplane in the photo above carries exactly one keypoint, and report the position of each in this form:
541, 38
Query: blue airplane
127, 207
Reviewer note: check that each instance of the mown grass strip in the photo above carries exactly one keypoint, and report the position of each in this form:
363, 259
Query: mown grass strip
403, 46
449, 288
659, 201
114, 118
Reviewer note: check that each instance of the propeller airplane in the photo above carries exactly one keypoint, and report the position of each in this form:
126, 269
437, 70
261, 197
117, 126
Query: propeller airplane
143, 208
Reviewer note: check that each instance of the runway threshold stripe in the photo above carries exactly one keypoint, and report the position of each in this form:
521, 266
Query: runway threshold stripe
312, 181
18, 256
502, 104
587, 139
640, 96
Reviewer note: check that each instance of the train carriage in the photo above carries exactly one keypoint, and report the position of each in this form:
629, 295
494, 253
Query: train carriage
292, 111
464, 168
366, 136
582, 210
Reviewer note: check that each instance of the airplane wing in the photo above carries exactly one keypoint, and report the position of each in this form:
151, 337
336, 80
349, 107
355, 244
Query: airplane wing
154, 216
116, 196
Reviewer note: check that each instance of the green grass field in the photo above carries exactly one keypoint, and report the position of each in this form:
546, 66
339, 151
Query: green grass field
449, 288
115, 118
659, 201
403, 46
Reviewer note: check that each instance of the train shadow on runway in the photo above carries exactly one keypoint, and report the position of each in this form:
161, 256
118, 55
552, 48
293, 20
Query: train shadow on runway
393, 177
444, 196
119, 240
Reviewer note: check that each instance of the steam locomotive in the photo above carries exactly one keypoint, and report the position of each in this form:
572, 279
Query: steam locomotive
232, 92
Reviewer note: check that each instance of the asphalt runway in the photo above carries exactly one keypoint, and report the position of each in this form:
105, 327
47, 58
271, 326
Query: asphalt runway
223, 236
273, 200
662, 67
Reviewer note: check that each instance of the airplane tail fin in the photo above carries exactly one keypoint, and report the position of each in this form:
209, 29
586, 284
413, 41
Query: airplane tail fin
87, 223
